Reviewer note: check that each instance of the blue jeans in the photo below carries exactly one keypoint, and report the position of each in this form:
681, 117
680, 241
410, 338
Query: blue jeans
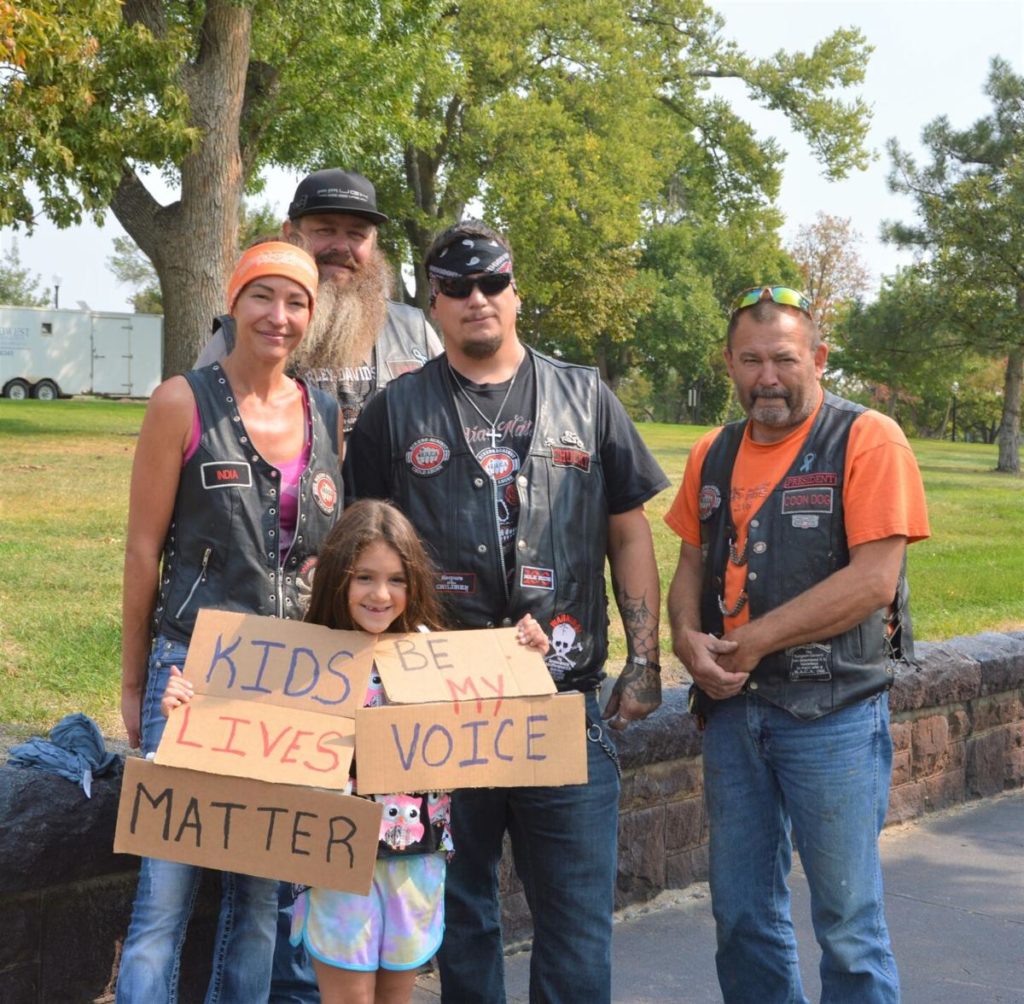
293, 980
564, 849
767, 773
166, 893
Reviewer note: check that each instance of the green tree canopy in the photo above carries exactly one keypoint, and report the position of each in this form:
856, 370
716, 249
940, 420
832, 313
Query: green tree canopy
581, 126
900, 354
575, 125
98, 96
970, 230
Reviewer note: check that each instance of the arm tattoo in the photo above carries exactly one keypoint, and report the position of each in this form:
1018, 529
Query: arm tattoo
639, 621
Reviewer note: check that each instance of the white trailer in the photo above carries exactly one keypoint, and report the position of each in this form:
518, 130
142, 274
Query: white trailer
48, 353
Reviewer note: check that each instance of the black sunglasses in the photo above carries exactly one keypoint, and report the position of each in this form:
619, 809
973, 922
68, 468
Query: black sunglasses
460, 287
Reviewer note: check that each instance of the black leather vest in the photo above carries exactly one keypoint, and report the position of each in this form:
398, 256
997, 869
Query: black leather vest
222, 548
796, 539
562, 535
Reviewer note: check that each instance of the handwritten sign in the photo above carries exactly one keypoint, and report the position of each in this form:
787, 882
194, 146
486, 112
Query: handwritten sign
459, 666
275, 831
245, 738
290, 663
501, 743
241, 769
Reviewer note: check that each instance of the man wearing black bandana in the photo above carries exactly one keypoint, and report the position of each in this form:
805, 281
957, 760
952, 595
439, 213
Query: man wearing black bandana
523, 473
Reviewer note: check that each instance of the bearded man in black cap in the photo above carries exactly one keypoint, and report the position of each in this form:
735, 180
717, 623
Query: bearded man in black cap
358, 338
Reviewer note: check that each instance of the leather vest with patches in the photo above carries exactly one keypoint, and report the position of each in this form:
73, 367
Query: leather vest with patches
222, 547
796, 539
562, 536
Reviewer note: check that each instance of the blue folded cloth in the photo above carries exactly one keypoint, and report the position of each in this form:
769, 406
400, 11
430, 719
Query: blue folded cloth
75, 750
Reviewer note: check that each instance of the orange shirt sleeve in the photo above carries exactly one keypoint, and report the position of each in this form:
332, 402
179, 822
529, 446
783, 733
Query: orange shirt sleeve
883, 494
682, 515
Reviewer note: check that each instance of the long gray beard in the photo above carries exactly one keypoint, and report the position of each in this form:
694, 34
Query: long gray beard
347, 319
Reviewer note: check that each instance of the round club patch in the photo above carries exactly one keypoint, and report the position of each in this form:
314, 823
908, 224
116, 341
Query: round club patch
427, 457
500, 463
709, 500
325, 493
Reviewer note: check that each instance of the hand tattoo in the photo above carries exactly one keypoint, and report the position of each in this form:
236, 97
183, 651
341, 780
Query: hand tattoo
641, 684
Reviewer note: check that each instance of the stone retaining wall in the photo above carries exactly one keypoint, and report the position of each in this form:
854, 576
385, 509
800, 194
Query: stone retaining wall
957, 725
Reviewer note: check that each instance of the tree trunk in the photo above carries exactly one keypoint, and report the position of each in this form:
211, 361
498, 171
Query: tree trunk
193, 242
1008, 436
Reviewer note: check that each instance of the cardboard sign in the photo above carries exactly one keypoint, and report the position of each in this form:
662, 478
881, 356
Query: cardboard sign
246, 738
459, 666
275, 831
504, 743
296, 665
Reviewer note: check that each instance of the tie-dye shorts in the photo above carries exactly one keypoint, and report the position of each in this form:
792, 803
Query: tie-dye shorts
399, 925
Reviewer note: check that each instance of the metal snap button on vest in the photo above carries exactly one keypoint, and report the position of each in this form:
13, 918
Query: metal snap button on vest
506, 622
752, 576
521, 481
760, 547
481, 548
752, 685
521, 545
754, 523
478, 482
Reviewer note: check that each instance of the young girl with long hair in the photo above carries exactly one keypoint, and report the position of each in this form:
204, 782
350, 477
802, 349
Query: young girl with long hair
374, 575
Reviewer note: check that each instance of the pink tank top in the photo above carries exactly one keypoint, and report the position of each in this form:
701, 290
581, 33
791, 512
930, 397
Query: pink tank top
290, 470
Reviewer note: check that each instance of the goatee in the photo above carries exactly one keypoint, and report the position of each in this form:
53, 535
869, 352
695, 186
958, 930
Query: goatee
347, 319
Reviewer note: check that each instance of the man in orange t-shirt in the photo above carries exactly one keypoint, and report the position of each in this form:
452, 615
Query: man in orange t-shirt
789, 609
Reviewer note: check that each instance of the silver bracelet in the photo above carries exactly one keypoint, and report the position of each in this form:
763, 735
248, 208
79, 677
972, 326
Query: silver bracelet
639, 660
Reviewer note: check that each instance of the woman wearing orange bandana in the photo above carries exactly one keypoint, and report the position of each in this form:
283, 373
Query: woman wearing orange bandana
235, 482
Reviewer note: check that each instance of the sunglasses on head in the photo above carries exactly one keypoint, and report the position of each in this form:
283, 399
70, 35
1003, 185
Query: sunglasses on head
777, 294
460, 287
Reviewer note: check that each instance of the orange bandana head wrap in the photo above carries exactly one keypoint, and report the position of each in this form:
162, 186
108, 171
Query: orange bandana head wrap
273, 258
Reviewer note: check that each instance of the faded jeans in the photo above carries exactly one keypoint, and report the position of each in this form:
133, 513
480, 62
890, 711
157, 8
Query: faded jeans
768, 775
244, 942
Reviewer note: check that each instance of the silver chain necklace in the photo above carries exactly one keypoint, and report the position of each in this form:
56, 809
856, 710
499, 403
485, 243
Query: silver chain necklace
493, 434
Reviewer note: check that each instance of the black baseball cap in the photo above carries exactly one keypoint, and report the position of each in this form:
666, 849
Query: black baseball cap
333, 190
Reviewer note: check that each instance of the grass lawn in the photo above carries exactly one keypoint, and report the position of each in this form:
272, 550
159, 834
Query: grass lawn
64, 470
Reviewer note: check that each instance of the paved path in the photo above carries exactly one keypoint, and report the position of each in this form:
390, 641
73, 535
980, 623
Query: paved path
954, 890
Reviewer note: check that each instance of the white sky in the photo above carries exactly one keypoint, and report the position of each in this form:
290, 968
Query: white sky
931, 58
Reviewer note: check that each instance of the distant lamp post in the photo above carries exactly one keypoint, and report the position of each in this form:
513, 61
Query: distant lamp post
56, 292
955, 389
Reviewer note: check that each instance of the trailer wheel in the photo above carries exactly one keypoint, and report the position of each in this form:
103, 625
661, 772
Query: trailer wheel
46, 390
16, 390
